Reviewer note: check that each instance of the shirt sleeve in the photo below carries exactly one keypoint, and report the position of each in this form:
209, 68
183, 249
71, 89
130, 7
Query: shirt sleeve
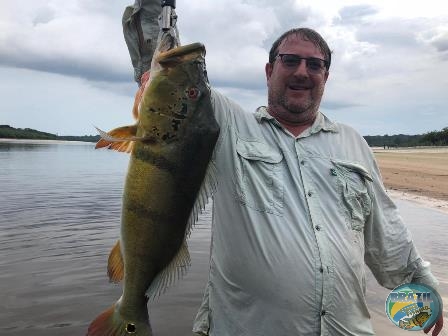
226, 112
390, 252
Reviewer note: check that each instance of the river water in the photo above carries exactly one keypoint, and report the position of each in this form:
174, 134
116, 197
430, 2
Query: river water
59, 218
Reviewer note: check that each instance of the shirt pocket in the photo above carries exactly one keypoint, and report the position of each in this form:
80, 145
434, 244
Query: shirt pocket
259, 177
355, 201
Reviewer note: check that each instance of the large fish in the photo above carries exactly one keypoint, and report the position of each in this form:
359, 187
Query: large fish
167, 183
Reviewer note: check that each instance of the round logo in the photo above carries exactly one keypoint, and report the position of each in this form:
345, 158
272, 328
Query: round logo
413, 306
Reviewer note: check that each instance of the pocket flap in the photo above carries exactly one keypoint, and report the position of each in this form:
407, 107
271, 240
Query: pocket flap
255, 150
355, 167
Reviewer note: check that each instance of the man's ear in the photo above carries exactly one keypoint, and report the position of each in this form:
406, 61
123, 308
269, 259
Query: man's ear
268, 70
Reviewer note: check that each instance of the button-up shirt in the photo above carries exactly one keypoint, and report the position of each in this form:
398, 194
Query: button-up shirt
294, 221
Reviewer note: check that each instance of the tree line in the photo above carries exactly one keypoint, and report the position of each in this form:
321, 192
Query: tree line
8, 132
434, 138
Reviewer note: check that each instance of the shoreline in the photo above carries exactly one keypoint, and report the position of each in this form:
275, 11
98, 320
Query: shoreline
43, 141
419, 199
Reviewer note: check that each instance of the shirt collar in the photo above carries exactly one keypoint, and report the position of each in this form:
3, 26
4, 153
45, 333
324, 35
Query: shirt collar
322, 122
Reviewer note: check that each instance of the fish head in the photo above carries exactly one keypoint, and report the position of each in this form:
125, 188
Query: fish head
175, 94
421, 318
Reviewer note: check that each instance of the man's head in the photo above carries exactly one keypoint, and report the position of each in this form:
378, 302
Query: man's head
296, 74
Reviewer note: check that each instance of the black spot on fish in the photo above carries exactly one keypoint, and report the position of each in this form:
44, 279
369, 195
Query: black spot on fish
168, 136
182, 113
175, 123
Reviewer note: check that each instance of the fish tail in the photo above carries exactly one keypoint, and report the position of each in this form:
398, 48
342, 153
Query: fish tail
111, 323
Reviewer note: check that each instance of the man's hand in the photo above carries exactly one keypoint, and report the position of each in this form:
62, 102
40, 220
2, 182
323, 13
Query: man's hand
437, 327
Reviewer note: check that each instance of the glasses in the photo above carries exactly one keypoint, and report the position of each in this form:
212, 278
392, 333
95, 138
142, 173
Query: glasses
314, 65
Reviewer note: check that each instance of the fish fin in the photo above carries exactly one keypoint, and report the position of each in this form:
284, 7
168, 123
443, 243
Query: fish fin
207, 190
115, 265
111, 323
139, 94
176, 269
120, 139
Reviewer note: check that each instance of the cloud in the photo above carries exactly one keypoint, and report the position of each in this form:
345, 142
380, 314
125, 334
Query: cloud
440, 42
386, 65
77, 39
357, 14
338, 104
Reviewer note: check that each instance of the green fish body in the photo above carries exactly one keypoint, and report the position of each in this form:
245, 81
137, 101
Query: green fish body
416, 321
171, 146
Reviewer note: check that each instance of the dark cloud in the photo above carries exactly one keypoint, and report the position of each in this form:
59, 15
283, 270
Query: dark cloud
337, 104
67, 67
354, 14
441, 43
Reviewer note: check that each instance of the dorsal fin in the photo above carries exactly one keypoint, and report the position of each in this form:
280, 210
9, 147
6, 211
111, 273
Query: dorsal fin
139, 94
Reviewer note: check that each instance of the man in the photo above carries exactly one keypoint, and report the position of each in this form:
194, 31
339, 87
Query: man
299, 207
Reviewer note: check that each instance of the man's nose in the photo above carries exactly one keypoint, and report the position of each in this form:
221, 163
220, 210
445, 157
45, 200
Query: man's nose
301, 69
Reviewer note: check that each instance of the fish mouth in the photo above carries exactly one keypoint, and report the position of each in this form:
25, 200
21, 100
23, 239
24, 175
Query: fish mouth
181, 54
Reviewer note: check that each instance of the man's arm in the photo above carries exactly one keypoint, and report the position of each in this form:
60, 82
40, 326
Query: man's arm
390, 251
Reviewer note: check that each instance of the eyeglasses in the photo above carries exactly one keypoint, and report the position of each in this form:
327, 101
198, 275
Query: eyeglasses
314, 65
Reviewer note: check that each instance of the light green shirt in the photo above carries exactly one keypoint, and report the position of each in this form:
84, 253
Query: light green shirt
294, 220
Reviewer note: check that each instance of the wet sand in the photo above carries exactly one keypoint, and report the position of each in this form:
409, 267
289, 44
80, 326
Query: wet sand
416, 174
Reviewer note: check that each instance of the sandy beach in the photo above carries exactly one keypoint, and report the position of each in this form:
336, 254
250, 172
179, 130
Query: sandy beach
416, 174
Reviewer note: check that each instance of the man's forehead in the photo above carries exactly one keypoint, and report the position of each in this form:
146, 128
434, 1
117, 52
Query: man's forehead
296, 39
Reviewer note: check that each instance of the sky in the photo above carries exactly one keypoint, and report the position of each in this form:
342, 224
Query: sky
65, 67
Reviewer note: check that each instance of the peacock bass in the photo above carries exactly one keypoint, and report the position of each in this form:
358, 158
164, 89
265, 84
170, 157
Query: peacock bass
169, 180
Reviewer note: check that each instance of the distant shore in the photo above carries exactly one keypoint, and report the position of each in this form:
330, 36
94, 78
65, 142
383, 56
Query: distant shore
43, 141
416, 174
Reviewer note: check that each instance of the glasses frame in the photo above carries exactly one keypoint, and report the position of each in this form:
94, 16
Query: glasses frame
300, 58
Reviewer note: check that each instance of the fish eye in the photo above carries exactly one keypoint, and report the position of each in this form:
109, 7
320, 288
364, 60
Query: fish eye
130, 328
192, 93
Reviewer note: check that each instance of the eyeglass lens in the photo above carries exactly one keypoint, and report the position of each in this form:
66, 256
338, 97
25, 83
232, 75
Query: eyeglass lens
313, 64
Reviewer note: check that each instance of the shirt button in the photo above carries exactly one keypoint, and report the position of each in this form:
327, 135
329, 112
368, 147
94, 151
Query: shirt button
302, 162
333, 172
317, 227
323, 312
321, 269
310, 193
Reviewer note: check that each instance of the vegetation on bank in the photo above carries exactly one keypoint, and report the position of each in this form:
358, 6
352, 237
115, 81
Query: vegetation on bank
434, 138
8, 132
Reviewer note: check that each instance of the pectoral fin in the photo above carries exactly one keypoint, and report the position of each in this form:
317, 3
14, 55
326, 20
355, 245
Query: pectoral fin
120, 139
115, 264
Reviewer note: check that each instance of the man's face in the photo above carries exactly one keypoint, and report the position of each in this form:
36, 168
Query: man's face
293, 93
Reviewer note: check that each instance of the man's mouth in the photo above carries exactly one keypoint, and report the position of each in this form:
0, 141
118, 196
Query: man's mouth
297, 87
